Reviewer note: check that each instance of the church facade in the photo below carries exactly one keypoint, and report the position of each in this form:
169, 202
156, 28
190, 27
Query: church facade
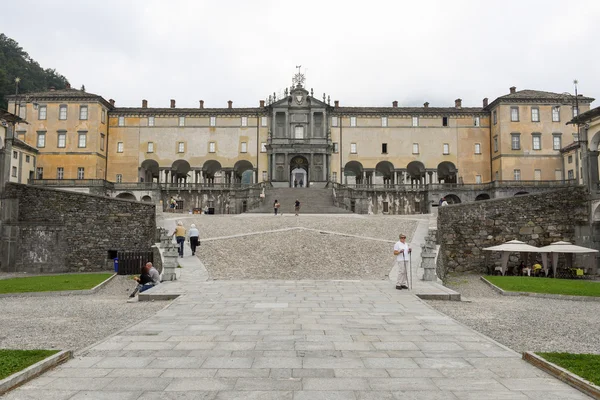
300, 139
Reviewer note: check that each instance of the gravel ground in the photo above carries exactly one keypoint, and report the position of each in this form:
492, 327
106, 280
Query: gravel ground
70, 322
524, 323
297, 254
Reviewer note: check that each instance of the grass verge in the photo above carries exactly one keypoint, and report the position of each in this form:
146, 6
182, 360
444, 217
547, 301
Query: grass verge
12, 361
586, 366
52, 283
546, 285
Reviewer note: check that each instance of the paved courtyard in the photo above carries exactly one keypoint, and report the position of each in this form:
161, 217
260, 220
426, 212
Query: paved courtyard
294, 339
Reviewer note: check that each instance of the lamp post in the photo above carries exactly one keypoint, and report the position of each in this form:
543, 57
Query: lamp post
17, 80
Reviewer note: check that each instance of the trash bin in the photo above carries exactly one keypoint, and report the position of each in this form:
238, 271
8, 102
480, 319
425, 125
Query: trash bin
211, 210
116, 264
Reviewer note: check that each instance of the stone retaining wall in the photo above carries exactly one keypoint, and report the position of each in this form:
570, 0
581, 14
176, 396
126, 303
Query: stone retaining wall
537, 219
49, 230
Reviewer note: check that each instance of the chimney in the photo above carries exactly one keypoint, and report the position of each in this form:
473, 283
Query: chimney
513, 90
426, 104
112, 102
485, 102
230, 104
395, 104
262, 104
68, 85
52, 88
144, 103
336, 103
201, 103
458, 103
172, 103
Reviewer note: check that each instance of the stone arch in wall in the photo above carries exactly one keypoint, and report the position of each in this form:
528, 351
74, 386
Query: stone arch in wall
1, 143
386, 170
482, 196
521, 193
126, 196
446, 171
180, 169
210, 169
452, 199
353, 171
147, 199
592, 152
149, 171
416, 170
243, 171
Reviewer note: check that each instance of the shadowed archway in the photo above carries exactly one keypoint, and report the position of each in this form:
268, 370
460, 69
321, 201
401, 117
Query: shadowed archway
126, 196
446, 172
353, 171
386, 170
149, 171
482, 196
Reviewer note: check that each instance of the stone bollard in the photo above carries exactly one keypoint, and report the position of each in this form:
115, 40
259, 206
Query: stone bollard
428, 260
170, 255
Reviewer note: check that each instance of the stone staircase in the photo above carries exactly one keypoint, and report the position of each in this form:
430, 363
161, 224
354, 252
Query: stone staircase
312, 201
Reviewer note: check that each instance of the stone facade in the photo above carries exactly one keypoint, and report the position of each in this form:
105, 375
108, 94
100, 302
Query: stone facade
47, 230
537, 219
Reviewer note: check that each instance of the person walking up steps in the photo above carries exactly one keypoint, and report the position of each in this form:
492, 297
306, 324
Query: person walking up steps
179, 234
297, 207
194, 238
402, 251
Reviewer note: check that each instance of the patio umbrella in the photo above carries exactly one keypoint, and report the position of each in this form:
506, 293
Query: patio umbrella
562, 247
513, 246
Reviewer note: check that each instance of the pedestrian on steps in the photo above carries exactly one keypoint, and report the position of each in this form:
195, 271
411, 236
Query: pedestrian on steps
402, 252
194, 238
276, 206
297, 206
179, 234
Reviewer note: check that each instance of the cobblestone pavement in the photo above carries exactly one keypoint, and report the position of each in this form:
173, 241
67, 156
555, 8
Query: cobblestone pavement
297, 340
524, 323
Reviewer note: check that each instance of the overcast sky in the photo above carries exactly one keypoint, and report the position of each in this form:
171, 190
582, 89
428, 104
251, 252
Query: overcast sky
363, 53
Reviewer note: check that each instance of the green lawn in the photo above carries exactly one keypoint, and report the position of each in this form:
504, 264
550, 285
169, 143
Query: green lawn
52, 283
586, 366
12, 361
546, 285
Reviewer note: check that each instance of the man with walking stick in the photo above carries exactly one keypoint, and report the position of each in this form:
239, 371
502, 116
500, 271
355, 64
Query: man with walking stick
402, 253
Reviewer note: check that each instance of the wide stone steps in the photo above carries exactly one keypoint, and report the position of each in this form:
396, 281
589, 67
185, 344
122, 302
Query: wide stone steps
312, 201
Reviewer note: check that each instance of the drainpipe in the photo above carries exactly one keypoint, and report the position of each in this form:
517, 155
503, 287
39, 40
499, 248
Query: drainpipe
106, 147
340, 151
257, 146
492, 150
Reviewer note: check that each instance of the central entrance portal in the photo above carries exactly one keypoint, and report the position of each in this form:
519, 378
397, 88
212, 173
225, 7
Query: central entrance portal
299, 172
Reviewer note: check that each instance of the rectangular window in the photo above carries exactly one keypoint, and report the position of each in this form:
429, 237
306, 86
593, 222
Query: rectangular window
352, 121
334, 176
244, 147
83, 112
446, 149
444, 121
334, 121
515, 140
80, 173
102, 141
384, 148
62, 140
477, 148
103, 116
15, 155
27, 159
495, 117
415, 149
575, 137
39, 173
558, 174
517, 174
119, 178
121, 121
556, 142
265, 176
575, 112
353, 148
263, 147
384, 122
537, 142
415, 121
42, 112
570, 174
62, 112
150, 148
60, 173
23, 110
570, 159
181, 121
477, 178
211, 147
213, 121
244, 121
14, 172
497, 175
119, 147
263, 121
181, 147
537, 175
299, 132
151, 120
82, 139
336, 147
514, 114
476, 121
41, 139
535, 114
556, 114
496, 144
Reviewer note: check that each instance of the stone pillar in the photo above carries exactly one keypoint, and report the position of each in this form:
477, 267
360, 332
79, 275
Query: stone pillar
430, 177
312, 124
592, 170
170, 256
286, 128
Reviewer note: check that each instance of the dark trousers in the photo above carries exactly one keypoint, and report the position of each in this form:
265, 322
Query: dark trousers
180, 242
194, 243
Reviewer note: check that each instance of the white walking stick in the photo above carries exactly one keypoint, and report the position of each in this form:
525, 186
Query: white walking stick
410, 268
405, 271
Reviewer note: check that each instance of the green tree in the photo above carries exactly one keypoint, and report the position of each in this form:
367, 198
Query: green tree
15, 62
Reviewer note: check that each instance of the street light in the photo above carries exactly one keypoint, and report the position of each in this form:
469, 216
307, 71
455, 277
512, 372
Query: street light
17, 80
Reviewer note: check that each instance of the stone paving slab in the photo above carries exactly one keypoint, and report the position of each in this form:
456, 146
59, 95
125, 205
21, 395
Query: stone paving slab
333, 340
